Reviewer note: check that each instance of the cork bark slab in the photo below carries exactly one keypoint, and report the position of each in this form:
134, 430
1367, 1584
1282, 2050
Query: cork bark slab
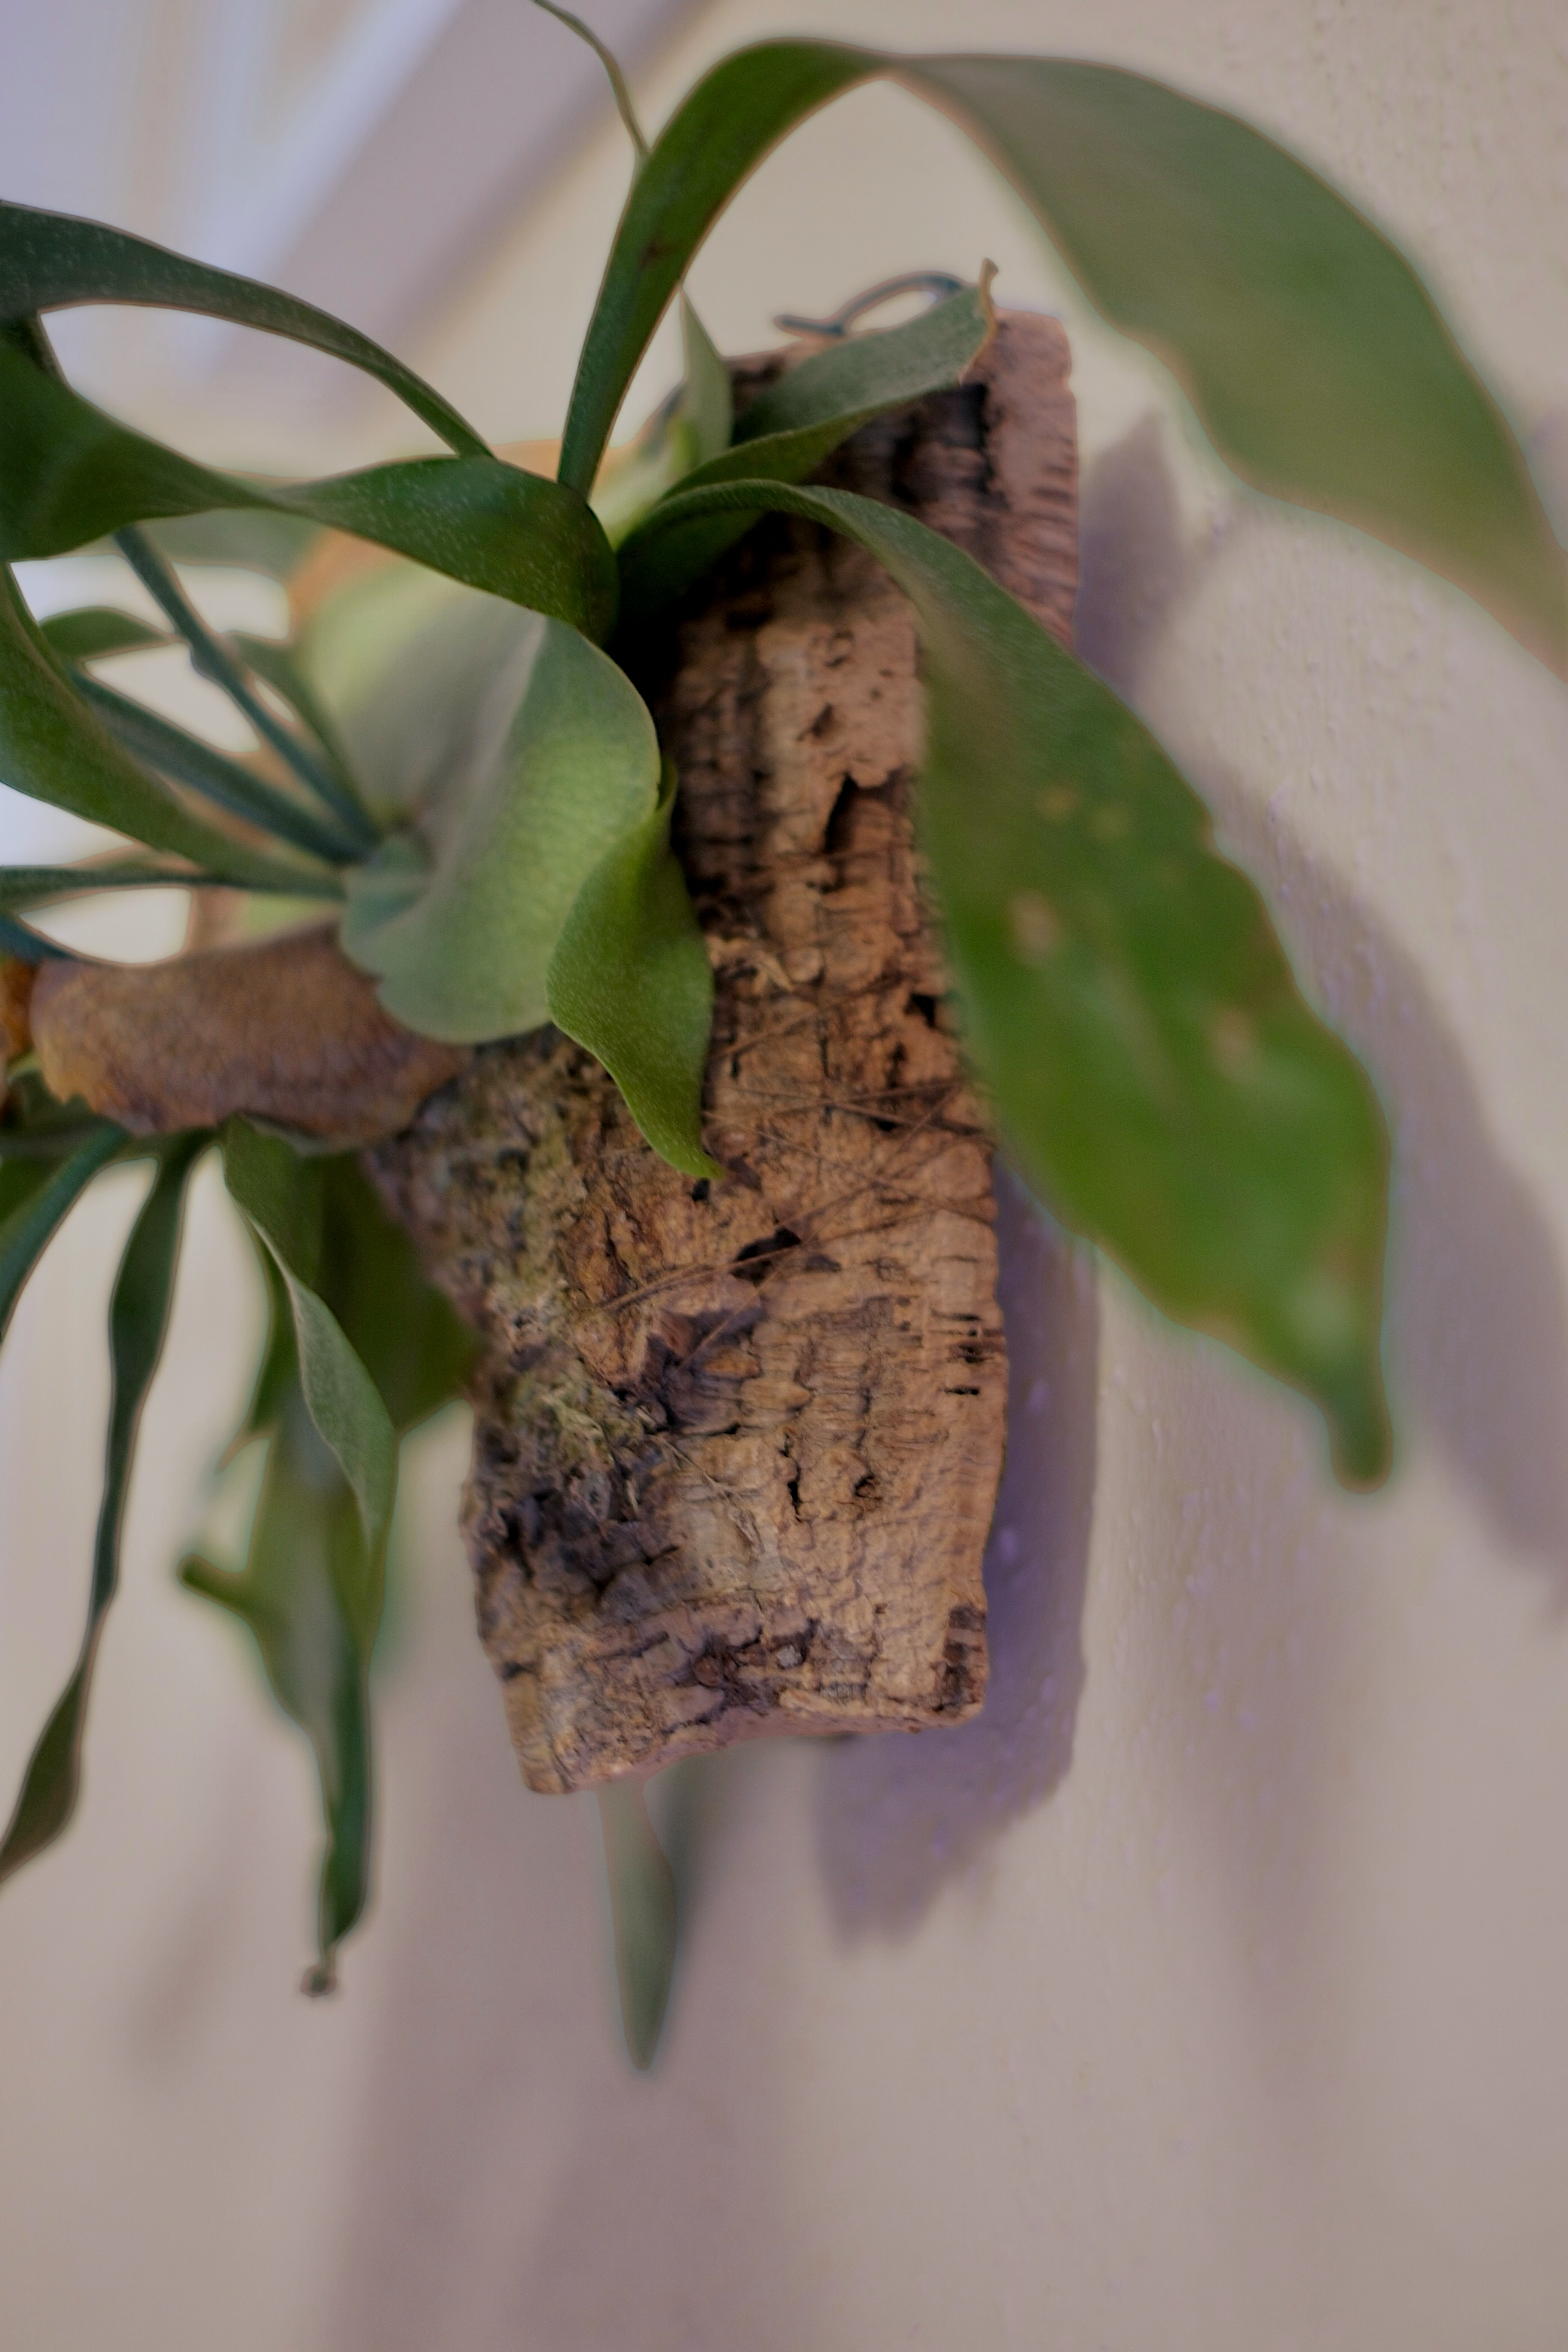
737, 1444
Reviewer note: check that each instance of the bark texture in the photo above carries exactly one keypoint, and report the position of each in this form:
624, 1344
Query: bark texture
737, 1446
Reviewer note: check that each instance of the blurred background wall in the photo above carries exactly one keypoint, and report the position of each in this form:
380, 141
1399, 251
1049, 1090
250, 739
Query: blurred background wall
1206, 1995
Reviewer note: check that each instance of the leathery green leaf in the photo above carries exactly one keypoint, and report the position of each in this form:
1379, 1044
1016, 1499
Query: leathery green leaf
31, 886
279, 667
277, 1373
31, 1225
1317, 362
217, 659
311, 1594
630, 980
280, 1195
709, 397
54, 748
719, 134
548, 758
643, 1909
228, 784
854, 378
68, 474
51, 261
1126, 1003
138, 1324
19, 1180
790, 427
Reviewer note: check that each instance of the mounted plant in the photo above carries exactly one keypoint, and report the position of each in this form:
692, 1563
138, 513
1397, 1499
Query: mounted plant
654, 1115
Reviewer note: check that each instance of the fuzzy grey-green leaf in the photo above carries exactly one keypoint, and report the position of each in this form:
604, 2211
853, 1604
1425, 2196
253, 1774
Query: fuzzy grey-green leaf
549, 758
630, 980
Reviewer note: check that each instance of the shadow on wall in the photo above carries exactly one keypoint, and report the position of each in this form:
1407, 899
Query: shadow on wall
898, 1817
1478, 1322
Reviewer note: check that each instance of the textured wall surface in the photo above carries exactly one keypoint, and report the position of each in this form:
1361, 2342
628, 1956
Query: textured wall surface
1207, 1993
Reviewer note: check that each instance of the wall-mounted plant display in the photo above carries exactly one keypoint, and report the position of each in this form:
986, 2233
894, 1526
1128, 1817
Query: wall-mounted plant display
651, 892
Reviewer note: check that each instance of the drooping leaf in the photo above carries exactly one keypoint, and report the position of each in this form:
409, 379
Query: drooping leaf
1126, 1003
19, 1180
27, 1232
94, 631
311, 1594
187, 760
1315, 357
280, 1195
311, 1591
277, 1373
414, 1347
56, 748
35, 1135
34, 1126
684, 431
51, 261
68, 474
138, 1324
551, 759
798, 422
630, 980
644, 1911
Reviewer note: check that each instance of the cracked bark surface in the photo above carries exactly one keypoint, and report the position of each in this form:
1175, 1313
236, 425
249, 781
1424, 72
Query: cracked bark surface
737, 1446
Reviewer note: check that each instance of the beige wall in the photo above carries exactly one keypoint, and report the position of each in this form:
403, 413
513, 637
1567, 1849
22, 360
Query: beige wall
1206, 1996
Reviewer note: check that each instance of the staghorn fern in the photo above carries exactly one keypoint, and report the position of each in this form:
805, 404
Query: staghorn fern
460, 764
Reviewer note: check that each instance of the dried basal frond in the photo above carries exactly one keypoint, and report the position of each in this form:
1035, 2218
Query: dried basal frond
15, 996
284, 1030
16, 1028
